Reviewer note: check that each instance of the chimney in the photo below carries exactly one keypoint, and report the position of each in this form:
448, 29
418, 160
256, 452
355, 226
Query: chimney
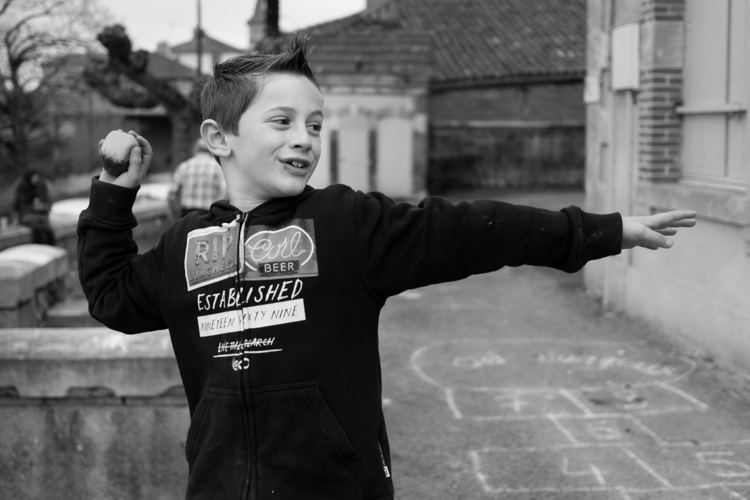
257, 24
165, 50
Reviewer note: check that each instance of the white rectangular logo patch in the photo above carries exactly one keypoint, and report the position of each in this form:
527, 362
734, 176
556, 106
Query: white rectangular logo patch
277, 313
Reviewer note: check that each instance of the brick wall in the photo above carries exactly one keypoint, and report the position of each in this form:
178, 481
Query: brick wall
660, 92
663, 10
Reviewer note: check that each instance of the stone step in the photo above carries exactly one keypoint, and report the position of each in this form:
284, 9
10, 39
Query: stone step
70, 313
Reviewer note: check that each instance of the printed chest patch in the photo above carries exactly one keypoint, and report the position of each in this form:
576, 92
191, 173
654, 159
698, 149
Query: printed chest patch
271, 263
273, 253
211, 254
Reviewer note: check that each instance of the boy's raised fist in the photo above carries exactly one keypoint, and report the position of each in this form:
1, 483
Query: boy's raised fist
115, 151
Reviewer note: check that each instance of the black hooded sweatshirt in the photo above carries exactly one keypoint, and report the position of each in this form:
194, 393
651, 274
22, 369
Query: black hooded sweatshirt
277, 338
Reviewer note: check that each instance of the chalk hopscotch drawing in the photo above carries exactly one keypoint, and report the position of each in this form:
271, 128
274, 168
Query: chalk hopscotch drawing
613, 421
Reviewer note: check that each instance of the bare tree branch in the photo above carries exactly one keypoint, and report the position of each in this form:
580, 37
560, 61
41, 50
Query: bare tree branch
35, 37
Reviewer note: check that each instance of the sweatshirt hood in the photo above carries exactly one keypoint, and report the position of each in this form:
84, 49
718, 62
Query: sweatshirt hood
224, 211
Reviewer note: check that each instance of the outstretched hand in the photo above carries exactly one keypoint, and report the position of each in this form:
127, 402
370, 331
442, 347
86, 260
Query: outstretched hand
139, 162
651, 231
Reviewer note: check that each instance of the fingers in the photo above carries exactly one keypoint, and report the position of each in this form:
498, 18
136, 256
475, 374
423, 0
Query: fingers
659, 226
653, 240
653, 232
135, 159
143, 143
682, 223
145, 150
675, 218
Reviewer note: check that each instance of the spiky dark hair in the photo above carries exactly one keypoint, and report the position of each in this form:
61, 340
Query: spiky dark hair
234, 84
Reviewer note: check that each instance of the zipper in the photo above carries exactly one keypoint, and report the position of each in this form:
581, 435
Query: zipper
383, 462
249, 488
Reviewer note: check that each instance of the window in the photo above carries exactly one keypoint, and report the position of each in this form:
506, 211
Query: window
715, 146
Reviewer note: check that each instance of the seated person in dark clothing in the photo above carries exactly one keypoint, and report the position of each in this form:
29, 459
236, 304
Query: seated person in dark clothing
32, 204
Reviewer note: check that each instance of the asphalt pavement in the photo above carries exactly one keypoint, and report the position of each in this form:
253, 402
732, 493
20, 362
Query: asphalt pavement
518, 385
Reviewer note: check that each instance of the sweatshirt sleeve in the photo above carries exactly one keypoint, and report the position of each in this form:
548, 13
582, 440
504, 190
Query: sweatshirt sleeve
121, 286
405, 246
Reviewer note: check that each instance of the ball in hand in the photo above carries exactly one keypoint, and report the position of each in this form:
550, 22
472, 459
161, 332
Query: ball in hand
115, 151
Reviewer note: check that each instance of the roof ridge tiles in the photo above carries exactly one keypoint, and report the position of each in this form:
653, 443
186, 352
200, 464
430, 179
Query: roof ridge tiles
473, 38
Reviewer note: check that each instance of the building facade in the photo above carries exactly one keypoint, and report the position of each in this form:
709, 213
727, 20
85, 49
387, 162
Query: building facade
491, 92
667, 92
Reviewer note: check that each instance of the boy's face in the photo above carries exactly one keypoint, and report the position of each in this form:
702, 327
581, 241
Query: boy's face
278, 145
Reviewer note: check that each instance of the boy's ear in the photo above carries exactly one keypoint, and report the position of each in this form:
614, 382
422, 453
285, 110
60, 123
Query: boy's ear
215, 139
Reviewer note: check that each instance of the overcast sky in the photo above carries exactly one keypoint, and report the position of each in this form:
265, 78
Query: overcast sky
150, 21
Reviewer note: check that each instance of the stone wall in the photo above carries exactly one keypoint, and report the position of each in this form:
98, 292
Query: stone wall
91, 413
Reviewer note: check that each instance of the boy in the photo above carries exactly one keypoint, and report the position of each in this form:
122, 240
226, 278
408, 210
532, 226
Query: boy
272, 298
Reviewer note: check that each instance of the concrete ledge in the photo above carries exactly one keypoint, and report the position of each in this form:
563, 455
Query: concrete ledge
13, 235
34, 265
16, 283
32, 278
62, 362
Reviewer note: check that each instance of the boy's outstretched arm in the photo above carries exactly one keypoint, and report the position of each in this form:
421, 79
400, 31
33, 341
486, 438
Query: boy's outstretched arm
651, 231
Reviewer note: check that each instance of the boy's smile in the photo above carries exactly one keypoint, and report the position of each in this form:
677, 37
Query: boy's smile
278, 144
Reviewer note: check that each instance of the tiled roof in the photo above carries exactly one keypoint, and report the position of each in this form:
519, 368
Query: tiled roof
469, 39
209, 44
378, 51
168, 69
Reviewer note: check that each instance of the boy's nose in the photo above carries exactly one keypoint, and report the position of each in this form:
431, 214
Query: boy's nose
301, 138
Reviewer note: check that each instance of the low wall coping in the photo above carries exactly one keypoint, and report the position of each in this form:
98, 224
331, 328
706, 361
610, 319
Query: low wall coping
56, 362
27, 268
82, 343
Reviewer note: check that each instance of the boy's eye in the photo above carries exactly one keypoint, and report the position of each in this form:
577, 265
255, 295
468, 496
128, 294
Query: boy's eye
315, 127
281, 121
